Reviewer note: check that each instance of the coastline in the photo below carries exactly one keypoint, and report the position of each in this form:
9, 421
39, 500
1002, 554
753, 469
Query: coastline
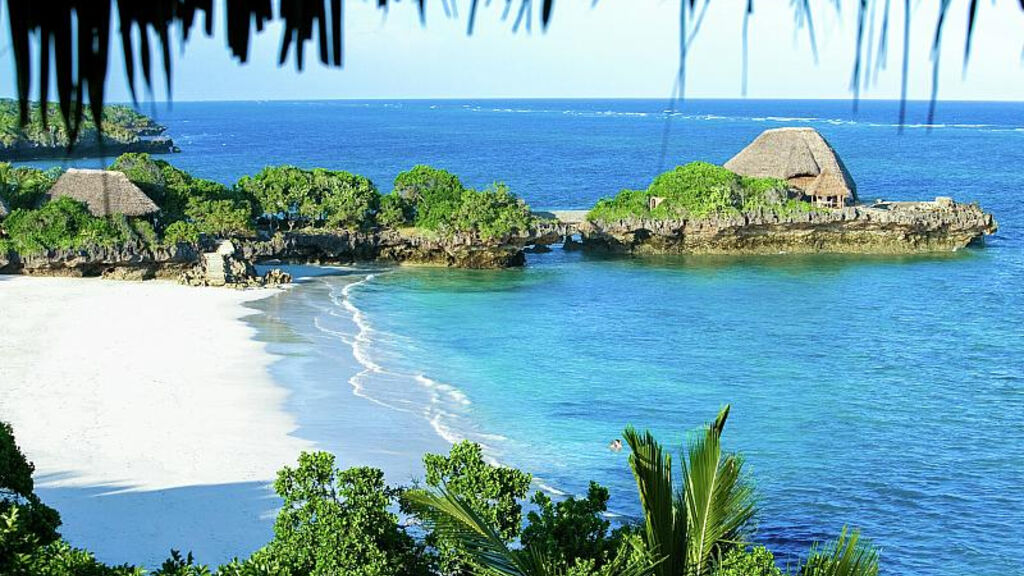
163, 425
343, 398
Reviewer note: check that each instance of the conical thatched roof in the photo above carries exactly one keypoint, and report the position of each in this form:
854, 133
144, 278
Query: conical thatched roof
797, 155
105, 192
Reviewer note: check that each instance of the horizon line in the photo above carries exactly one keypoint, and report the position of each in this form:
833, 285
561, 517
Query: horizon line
851, 100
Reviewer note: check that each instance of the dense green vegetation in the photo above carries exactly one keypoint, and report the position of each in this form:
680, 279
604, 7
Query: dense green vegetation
191, 205
697, 190
65, 224
277, 198
467, 520
315, 198
121, 124
435, 199
22, 187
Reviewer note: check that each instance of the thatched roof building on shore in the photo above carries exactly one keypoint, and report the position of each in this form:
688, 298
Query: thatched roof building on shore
828, 190
801, 156
105, 192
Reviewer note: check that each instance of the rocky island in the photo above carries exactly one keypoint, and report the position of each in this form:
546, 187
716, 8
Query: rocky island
124, 130
788, 192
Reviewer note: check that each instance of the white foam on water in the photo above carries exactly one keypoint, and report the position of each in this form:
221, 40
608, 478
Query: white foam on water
443, 405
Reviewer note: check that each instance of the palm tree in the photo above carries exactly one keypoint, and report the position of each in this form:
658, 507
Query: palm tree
686, 530
846, 556
710, 513
453, 518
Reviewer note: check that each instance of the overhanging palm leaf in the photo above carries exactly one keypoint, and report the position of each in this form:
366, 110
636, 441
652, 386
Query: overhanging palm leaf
450, 517
664, 517
719, 501
846, 556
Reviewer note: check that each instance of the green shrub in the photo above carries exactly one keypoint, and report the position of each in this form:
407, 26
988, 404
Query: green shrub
145, 172
572, 530
493, 491
435, 195
626, 204
492, 213
395, 211
181, 232
213, 208
698, 190
338, 522
144, 230
25, 522
22, 187
64, 224
757, 561
312, 198
340, 199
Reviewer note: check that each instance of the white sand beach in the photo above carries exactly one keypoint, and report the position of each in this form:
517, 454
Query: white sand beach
148, 411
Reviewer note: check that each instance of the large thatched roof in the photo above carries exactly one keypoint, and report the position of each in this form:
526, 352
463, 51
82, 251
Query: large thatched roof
797, 155
104, 191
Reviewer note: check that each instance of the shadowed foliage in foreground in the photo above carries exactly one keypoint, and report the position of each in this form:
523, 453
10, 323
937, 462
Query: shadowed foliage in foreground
465, 522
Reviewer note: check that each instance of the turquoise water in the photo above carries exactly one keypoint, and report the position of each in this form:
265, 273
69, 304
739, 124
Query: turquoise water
886, 393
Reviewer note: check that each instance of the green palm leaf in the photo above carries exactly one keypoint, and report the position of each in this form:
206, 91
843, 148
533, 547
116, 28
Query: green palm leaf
449, 516
664, 517
846, 556
719, 501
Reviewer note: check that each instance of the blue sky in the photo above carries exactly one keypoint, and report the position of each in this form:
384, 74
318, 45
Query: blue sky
618, 49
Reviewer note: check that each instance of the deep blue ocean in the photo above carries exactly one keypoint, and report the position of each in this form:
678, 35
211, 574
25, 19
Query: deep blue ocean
883, 393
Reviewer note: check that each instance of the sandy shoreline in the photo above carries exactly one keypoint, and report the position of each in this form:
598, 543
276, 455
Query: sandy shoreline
153, 401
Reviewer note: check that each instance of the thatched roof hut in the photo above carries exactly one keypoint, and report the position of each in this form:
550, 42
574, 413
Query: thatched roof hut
105, 192
797, 155
828, 189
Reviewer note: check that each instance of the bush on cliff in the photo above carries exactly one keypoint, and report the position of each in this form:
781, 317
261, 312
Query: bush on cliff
65, 224
436, 199
435, 195
492, 213
395, 211
698, 190
315, 198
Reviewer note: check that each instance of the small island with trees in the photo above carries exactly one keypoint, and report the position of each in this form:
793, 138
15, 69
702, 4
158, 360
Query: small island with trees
788, 192
124, 130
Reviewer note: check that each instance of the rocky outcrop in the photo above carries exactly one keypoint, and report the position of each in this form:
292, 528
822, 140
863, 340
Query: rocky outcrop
346, 247
888, 228
131, 260
891, 228
89, 146
192, 264
226, 267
